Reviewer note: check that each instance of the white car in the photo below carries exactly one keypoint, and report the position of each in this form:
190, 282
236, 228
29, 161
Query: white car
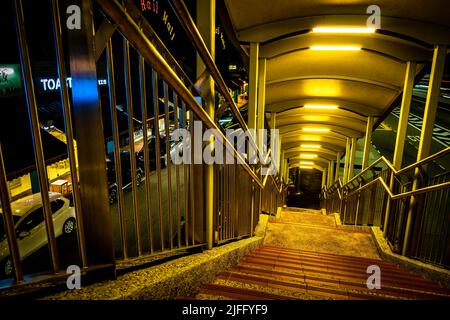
28, 216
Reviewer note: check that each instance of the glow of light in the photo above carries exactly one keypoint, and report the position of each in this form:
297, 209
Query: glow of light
306, 167
316, 129
318, 106
335, 48
308, 155
316, 118
312, 146
343, 30
307, 163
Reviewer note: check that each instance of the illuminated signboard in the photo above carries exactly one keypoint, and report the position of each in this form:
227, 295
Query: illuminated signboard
52, 84
10, 80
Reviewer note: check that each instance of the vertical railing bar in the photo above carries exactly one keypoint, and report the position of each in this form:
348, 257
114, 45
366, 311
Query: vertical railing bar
116, 139
169, 165
441, 221
67, 114
9, 222
148, 195
158, 153
438, 194
226, 199
185, 178
36, 134
191, 178
129, 101
177, 168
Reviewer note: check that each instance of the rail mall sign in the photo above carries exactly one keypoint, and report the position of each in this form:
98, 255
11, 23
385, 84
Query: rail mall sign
160, 16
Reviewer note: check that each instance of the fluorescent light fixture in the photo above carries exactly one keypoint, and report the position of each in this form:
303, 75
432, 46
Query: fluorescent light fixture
312, 146
335, 48
308, 155
308, 163
343, 30
316, 129
318, 106
306, 167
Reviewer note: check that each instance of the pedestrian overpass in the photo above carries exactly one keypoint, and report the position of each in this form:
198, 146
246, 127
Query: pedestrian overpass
325, 75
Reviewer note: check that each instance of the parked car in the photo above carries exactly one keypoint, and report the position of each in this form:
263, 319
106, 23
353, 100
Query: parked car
152, 153
30, 227
126, 174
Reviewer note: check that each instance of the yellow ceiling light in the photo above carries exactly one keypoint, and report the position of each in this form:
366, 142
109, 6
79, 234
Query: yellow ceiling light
308, 163
343, 30
311, 146
316, 118
318, 106
335, 48
306, 167
310, 129
308, 155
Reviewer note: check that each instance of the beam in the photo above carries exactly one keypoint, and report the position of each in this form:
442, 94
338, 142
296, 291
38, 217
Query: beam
367, 143
431, 104
261, 101
347, 160
352, 160
338, 166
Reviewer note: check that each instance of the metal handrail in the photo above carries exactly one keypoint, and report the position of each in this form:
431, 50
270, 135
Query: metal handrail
139, 40
397, 173
193, 33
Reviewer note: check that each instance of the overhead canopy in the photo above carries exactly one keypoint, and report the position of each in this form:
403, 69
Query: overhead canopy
361, 83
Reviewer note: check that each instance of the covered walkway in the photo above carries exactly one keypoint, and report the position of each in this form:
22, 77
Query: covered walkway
197, 209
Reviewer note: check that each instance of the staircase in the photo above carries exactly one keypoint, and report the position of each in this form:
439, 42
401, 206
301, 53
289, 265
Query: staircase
280, 273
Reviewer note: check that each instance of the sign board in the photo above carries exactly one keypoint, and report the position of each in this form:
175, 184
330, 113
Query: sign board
10, 80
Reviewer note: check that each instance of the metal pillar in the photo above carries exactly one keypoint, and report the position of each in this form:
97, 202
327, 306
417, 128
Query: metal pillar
88, 121
253, 91
324, 174
367, 143
352, 159
331, 173
434, 87
261, 102
401, 131
347, 160
338, 166
206, 13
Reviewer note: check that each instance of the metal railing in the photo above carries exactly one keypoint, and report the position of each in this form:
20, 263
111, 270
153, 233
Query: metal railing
386, 198
165, 211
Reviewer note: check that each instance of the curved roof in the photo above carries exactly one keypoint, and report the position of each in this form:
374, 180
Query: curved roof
361, 83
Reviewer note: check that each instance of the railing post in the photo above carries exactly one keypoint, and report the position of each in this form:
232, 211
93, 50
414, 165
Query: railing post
206, 17
434, 87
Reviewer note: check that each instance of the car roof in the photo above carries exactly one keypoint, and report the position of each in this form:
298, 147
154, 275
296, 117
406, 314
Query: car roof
25, 204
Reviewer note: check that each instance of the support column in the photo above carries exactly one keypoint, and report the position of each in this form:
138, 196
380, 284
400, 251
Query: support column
401, 130
253, 91
324, 174
347, 160
367, 143
434, 87
261, 101
206, 24
352, 160
338, 166
331, 173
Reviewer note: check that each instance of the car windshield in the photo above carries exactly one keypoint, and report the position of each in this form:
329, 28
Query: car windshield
2, 226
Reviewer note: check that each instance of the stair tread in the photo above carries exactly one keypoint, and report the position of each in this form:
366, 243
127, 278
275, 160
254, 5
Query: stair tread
222, 290
321, 281
337, 265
